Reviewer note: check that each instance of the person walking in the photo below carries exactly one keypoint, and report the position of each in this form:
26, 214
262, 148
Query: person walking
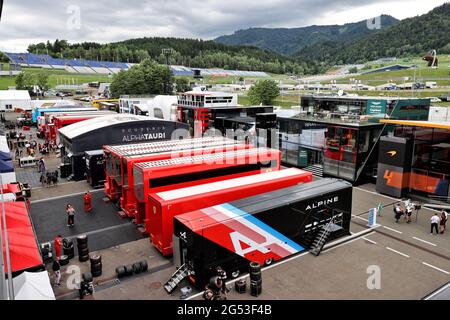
443, 222
87, 202
434, 223
58, 245
56, 267
71, 215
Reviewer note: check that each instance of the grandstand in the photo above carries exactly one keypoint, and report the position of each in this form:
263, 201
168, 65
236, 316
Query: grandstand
73, 66
104, 67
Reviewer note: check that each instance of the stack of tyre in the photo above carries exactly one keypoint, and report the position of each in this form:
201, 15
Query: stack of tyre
46, 251
130, 269
83, 250
255, 279
96, 265
68, 248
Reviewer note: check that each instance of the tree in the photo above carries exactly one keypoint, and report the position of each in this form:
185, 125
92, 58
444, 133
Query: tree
42, 81
25, 81
182, 85
264, 92
143, 79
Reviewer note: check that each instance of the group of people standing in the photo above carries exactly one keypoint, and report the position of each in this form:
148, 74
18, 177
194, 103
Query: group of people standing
438, 221
407, 211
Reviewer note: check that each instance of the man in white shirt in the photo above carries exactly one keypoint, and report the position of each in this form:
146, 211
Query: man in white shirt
434, 223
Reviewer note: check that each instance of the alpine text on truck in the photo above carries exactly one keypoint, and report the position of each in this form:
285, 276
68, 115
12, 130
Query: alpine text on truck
184, 172
165, 205
113, 157
263, 228
125, 179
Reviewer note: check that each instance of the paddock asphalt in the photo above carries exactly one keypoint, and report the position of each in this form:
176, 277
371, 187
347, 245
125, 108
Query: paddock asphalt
104, 227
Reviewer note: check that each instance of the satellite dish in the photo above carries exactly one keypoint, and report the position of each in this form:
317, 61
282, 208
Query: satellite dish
340, 93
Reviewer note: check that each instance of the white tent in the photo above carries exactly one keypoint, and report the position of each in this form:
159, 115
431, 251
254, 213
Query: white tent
33, 286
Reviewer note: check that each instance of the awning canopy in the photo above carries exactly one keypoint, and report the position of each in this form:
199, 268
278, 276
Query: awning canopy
424, 124
24, 251
33, 286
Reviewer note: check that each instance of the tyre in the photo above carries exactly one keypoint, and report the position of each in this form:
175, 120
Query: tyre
240, 286
120, 271
255, 267
95, 259
256, 282
129, 270
84, 252
69, 252
45, 251
144, 266
97, 266
215, 282
235, 274
256, 276
96, 273
255, 291
64, 260
83, 258
87, 277
82, 246
67, 243
82, 240
268, 262
137, 268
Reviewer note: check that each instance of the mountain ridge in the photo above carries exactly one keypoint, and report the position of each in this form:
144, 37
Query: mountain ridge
288, 41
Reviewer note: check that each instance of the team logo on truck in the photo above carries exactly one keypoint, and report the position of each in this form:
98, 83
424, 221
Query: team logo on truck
318, 204
247, 236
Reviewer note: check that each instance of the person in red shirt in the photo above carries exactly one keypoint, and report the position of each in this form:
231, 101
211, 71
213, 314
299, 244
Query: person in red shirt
58, 245
87, 202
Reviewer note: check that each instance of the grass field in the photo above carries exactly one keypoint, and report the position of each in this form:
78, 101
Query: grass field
422, 73
56, 77
293, 100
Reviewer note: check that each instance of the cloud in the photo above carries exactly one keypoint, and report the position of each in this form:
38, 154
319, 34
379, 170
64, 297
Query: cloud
30, 21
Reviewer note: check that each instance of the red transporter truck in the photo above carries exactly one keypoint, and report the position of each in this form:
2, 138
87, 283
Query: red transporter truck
165, 175
128, 201
114, 154
164, 206
59, 121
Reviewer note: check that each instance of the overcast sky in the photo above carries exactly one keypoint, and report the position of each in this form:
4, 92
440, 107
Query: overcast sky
32, 21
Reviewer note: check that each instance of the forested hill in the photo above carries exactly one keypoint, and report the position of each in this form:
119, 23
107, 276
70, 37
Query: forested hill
187, 52
413, 36
289, 41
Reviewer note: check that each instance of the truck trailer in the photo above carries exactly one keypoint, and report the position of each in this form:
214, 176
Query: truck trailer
165, 205
126, 179
264, 228
114, 154
164, 175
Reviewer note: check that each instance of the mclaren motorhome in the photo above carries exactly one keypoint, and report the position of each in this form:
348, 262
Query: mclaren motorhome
116, 168
164, 175
166, 205
263, 228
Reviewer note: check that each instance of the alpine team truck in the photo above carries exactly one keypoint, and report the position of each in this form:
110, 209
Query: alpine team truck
171, 174
125, 180
114, 154
264, 228
165, 205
